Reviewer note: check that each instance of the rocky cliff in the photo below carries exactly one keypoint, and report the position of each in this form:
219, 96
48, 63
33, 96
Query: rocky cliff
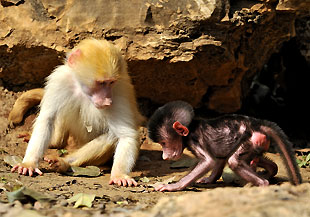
204, 52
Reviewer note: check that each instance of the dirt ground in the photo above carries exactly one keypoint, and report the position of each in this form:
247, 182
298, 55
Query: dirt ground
110, 199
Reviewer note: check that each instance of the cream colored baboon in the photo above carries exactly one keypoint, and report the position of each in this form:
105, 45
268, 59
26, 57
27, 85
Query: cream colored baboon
91, 98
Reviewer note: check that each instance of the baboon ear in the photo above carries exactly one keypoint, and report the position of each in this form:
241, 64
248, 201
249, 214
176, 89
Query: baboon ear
74, 56
180, 128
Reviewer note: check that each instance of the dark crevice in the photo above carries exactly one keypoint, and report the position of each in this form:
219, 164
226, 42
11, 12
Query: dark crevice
149, 17
280, 92
6, 3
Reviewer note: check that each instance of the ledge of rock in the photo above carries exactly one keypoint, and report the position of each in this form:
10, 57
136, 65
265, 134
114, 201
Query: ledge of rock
204, 52
285, 200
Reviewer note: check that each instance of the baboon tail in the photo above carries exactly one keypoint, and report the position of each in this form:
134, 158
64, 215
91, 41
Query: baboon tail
285, 148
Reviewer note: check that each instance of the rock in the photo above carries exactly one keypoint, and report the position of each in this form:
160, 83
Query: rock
285, 200
204, 52
293, 5
303, 36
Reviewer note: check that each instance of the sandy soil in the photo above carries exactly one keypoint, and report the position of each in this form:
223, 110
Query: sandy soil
150, 169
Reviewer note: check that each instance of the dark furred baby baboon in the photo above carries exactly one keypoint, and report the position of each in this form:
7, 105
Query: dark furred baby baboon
237, 140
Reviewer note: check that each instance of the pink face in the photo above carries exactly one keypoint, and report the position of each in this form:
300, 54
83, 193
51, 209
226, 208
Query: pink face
172, 150
101, 93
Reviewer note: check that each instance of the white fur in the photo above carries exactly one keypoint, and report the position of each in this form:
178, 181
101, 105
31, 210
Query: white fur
66, 107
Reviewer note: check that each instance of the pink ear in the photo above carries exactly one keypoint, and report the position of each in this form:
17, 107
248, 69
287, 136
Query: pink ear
180, 129
74, 56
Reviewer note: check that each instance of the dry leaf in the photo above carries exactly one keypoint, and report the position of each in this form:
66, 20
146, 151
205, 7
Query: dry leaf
91, 171
12, 160
24, 193
16, 195
167, 181
82, 199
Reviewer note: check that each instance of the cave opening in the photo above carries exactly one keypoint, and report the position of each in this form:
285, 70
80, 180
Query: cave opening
280, 92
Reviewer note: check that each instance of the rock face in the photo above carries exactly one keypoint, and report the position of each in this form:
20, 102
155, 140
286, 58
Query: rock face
204, 52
